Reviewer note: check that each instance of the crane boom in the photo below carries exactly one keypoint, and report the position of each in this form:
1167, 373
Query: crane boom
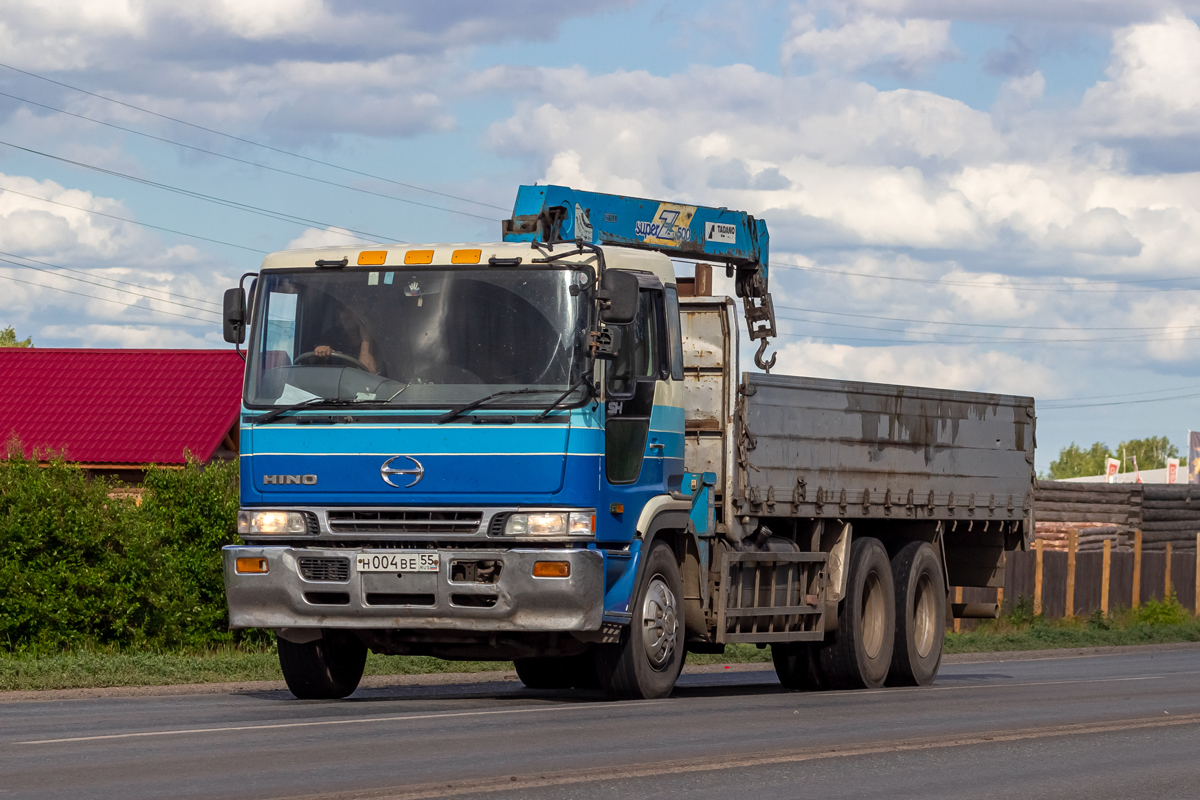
553, 214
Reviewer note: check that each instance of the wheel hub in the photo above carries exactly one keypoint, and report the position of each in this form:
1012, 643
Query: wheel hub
659, 622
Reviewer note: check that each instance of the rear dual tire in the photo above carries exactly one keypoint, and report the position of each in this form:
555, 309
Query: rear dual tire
920, 616
890, 628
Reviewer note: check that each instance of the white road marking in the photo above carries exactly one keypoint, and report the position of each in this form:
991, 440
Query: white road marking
276, 725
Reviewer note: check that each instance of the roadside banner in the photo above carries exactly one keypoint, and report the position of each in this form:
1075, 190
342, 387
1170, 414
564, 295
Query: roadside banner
1172, 470
1111, 467
1193, 456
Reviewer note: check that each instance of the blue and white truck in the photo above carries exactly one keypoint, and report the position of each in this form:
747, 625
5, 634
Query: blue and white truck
543, 449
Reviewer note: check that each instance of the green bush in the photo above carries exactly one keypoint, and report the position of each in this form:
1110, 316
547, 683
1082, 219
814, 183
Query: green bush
80, 567
1167, 611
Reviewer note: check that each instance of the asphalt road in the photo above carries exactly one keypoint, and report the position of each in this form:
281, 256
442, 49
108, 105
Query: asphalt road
1108, 726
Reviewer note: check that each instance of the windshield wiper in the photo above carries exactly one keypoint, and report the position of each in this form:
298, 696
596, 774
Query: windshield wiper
458, 412
275, 412
546, 412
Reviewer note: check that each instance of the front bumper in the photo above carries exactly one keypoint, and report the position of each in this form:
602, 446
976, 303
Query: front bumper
282, 598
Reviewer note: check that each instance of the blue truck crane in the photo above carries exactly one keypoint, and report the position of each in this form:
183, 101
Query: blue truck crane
542, 449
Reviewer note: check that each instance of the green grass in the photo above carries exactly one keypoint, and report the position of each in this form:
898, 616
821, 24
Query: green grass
89, 669
1157, 622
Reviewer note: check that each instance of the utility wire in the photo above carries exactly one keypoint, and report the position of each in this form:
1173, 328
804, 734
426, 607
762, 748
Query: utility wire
966, 338
262, 212
983, 324
56, 268
103, 299
248, 162
1033, 287
1122, 394
111, 288
252, 142
132, 221
1122, 403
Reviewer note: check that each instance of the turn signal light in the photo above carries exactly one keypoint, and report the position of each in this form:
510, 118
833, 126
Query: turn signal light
251, 566
552, 569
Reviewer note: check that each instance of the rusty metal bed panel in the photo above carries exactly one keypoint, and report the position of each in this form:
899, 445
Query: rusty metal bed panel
809, 447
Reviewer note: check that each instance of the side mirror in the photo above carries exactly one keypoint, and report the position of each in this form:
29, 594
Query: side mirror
233, 319
620, 289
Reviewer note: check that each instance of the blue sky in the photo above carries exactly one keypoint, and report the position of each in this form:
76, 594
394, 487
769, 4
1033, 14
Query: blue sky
996, 196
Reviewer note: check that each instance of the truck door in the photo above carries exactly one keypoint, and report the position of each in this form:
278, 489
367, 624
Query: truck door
633, 453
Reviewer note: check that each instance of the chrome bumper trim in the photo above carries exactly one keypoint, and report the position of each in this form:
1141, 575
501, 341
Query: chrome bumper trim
522, 602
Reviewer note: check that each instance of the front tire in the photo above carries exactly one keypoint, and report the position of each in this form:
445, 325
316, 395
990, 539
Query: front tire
327, 669
860, 654
920, 616
647, 661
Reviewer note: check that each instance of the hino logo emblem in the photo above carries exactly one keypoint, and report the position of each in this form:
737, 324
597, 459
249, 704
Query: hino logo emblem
285, 480
386, 472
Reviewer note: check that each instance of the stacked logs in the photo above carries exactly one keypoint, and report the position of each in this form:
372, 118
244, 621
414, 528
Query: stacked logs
1098, 510
1170, 513
1165, 513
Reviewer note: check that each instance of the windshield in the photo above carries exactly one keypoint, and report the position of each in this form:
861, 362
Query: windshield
430, 337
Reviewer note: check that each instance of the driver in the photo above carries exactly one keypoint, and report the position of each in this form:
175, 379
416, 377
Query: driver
347, 336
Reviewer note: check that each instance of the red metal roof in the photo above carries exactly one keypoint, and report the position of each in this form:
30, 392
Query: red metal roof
119, 406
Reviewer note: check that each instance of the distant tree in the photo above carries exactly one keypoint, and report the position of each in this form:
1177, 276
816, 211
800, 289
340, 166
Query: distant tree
1075, 462
8, 338
1151, 452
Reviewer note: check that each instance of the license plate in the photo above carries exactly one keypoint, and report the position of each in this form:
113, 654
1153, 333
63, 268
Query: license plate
397, 562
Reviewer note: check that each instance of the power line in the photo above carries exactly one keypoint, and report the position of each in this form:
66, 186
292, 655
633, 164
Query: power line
983, 324
131, 221
1122, 394
252, 142
110, 288
56, 267
966, 338
1034, 287
246, 161
1122, 403
262, 212
103, 299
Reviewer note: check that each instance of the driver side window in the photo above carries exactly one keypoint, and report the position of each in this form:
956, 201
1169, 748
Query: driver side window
639, 349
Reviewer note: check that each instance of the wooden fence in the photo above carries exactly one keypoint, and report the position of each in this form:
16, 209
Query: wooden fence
1073, 583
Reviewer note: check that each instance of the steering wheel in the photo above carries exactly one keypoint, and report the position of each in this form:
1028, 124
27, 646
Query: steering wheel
312, 356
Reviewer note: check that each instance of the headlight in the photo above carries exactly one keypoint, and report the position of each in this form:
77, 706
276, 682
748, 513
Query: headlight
271, 522
551, 523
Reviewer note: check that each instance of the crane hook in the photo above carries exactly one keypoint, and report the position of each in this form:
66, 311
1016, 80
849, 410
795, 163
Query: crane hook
765, 366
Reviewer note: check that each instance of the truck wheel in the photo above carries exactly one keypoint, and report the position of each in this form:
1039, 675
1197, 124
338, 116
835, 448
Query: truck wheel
326, 669
796, 665
861, 651
647, 661
558, 672
920, 616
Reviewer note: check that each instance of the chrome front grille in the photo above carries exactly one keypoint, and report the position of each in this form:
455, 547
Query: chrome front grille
314, 568
406, 521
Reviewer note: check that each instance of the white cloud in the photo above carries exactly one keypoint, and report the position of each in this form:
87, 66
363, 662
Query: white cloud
323, 237
1154, 86
942, 366
302, 69
69, 264
870, 42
